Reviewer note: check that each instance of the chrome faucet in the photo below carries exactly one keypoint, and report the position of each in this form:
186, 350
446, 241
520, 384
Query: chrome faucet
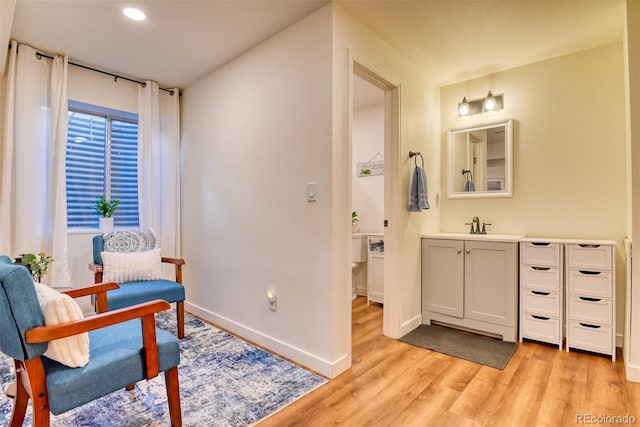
474, 222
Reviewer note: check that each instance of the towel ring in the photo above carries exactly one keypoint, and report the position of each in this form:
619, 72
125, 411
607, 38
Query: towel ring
415, 155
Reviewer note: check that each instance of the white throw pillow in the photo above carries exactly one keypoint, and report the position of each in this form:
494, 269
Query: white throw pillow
60, 308
131, 267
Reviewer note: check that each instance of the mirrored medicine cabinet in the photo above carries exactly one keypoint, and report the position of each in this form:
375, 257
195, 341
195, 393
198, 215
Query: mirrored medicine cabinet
481, 160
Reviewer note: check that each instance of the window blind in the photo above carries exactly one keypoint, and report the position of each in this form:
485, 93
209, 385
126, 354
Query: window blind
102, 158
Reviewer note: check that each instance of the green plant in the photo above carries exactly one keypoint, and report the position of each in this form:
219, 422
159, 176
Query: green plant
37, 264
354, 217
105, 208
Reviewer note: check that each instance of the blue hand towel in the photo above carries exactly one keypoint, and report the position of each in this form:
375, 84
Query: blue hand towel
418, 197
469, 186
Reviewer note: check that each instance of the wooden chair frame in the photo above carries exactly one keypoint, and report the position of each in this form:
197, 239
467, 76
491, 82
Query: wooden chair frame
178, 262
30, 374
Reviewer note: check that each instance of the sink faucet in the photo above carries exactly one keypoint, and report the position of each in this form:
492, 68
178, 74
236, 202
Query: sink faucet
474, 222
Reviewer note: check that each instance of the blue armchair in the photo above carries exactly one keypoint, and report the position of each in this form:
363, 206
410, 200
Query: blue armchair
122, 350
136, 241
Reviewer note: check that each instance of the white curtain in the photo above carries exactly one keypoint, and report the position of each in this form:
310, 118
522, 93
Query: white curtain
159, 165
33, 215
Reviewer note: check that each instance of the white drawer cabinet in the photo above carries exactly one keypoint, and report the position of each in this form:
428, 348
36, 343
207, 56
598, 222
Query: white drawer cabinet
541, 293
590, 283
375, 270
590, 303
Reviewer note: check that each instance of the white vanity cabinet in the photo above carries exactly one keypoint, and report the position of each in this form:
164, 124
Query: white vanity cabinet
541, 292
471, 282
442, 278
590, 282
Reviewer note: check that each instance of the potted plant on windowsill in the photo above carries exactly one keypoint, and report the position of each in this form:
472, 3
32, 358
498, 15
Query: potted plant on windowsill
105, 208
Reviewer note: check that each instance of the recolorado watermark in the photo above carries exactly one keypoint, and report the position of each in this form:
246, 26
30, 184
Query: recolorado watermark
605, 419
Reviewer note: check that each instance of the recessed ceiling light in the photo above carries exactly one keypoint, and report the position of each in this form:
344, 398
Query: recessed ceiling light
133, 13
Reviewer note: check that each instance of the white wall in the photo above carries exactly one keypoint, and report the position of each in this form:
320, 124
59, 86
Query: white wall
570, 178
254, 133
7, 8
632, 92
420, 130
368, 191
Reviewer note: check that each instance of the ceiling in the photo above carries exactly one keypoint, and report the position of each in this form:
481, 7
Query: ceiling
183, 40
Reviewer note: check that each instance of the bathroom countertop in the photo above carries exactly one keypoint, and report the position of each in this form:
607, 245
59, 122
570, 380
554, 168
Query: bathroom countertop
480, 237
367, 234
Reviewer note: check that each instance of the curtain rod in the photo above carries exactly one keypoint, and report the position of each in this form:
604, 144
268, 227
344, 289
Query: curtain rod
115, 76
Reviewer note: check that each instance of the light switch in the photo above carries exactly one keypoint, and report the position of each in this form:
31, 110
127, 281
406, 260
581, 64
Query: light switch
311, 192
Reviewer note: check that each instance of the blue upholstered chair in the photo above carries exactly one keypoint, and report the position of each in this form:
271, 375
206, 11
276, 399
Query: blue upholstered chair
124, 347
135, 241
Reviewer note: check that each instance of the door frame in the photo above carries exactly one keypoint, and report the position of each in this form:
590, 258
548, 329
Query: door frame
392, 193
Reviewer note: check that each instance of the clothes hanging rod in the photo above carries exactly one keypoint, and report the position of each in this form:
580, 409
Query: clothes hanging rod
115, 76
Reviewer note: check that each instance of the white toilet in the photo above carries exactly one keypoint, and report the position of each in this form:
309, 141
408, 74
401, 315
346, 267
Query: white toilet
358, 256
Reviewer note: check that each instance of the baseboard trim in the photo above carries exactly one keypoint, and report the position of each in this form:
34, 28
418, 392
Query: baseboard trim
410, 325
297, 355
633, 371
619, 340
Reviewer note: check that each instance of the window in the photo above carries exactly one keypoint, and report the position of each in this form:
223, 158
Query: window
102, 158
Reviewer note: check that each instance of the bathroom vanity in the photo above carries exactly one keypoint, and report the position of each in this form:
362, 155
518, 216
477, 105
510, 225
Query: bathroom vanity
471, 281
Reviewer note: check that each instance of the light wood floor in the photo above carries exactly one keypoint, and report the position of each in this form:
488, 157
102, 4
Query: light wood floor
395, 384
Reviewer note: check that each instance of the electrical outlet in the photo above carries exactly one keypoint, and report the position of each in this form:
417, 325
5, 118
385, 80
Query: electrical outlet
273, 300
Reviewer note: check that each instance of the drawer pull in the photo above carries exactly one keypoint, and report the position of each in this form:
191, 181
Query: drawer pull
590, 273
540, 243
589, 246
540, 293
586, 325
540, 317
590, 299
541, 268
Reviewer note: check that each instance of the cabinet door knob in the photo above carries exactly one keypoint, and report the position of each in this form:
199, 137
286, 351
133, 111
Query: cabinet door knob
468, 251
459, 251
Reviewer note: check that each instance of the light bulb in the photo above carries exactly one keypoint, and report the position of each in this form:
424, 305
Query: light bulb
490, 103
463, 108
133, 13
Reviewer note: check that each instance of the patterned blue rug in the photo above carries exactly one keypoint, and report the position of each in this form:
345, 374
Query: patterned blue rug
224, 381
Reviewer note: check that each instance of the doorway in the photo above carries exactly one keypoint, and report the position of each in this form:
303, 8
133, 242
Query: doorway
367, 191
380, 86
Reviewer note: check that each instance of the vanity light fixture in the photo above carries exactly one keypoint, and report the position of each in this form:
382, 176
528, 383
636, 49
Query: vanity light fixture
491, 103
463, 108
133, 13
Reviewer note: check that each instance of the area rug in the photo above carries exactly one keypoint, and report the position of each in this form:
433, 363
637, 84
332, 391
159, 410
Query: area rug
224, 381
475, 348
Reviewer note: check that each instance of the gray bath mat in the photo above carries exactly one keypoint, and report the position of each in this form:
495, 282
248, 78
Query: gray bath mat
475, 348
